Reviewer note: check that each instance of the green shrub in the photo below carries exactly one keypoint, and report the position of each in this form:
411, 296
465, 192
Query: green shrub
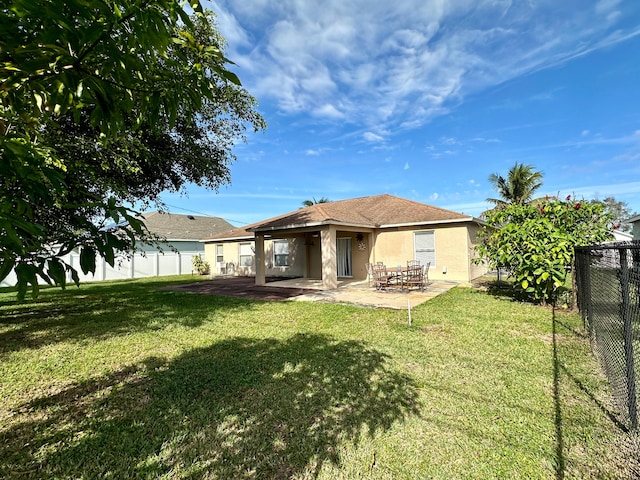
201, 266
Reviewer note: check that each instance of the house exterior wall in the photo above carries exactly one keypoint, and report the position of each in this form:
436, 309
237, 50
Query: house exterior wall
359, 257
183, 246
453, 249
231, 259
475, 271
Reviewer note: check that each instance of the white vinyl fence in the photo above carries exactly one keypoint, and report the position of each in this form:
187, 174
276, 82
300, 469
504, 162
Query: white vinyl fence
152, 264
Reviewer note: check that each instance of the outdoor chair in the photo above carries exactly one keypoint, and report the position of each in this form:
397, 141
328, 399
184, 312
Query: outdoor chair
413, 263
369, 267
415, 277
381, 278
425, 278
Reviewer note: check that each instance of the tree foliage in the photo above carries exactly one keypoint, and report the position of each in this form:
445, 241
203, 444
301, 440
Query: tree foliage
517, 187
535, 243
620, 212
309, 203
104, 102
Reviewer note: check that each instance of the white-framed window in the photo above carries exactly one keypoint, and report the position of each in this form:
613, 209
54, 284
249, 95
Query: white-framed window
246, 255
219, 254
424, 246
281, 253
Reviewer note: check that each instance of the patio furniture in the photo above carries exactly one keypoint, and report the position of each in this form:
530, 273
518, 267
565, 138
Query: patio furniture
369, 267
413, 263
415, 277
381, 278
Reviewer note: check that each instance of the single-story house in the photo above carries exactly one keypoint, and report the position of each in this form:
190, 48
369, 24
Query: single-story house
182, 232
333, 240
182, 236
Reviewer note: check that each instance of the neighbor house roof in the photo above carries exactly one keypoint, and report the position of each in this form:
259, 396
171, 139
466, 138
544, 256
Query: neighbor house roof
173, 226
379, 211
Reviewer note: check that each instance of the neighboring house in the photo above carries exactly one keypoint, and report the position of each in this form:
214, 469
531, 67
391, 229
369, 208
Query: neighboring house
183, 234
635, 222
337, 239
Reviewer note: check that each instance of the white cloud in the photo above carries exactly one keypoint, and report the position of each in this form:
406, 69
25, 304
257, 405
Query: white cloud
372, 137
327, 111
434, 196
406, 166
448, 141
399, 64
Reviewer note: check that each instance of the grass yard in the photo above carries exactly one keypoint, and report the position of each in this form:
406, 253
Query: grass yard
123, 380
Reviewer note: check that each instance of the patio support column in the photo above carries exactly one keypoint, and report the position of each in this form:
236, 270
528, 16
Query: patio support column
372, 247
260, 256
329, 265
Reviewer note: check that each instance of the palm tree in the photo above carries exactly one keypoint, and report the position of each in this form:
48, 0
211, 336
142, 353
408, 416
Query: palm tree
518, 188
308, 203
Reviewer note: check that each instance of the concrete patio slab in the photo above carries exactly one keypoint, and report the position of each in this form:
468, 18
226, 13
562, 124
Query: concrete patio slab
354, 293
309, 290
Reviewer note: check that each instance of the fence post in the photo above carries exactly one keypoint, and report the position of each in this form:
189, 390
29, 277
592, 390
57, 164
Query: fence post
628, 339
588, 299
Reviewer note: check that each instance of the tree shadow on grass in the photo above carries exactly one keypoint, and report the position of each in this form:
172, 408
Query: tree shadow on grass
241, 408
98, 311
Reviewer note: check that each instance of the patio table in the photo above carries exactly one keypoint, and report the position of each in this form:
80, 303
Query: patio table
398, 273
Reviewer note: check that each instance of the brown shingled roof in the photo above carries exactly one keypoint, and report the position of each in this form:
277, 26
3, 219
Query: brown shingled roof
377, 211
173, 226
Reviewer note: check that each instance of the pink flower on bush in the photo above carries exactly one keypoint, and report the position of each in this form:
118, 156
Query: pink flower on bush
577, 206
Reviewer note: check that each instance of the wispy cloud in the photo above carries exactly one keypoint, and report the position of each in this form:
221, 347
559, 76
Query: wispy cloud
402, 63
372, 137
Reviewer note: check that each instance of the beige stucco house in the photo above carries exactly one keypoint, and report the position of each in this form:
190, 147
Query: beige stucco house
335, 240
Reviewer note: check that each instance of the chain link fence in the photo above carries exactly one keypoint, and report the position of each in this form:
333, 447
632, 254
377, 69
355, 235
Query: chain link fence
608, 284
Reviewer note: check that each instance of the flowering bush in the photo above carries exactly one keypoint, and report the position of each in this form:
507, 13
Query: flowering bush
535, 243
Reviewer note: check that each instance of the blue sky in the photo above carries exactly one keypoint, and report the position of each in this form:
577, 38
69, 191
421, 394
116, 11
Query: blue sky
425, 99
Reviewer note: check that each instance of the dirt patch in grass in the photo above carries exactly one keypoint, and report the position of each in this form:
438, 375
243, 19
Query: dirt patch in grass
241, 287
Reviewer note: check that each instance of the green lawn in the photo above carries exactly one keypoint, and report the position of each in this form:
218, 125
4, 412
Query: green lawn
123, 380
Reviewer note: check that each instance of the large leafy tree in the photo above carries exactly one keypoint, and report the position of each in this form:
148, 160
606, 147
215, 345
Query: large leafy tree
104, 102
620, 211
535, 243
518, 187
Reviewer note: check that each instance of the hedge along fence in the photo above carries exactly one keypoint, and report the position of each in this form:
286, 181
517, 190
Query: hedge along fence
608, 281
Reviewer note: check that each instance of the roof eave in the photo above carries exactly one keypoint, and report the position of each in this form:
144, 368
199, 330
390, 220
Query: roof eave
435, 222
228, 239
309, 225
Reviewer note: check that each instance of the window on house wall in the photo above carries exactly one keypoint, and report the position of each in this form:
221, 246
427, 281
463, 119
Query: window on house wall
219, 254
425, 247
281, 253
246, 255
